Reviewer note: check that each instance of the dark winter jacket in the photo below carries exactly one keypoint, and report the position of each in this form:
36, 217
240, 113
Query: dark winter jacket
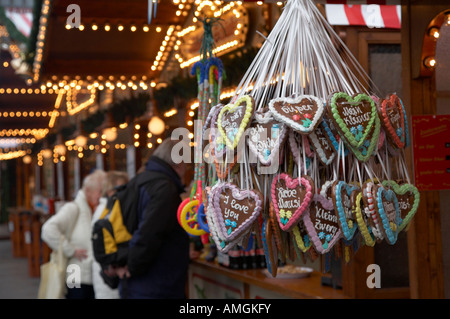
159, 250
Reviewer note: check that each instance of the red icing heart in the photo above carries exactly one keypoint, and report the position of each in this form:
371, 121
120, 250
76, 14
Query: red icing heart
392, 117
290, 199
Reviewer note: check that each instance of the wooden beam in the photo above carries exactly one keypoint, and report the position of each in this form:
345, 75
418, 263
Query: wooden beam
125, 11
424, 235
96, 66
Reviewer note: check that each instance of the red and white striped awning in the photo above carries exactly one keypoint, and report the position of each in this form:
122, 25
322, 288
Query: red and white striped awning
370, 15
22, 19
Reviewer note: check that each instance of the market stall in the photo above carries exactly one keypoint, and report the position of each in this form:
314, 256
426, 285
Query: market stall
310, 165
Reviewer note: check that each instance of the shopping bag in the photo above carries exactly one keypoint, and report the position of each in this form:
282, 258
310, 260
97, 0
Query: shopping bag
53, 276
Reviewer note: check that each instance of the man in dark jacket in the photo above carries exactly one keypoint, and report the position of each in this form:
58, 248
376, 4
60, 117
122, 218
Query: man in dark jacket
159, 250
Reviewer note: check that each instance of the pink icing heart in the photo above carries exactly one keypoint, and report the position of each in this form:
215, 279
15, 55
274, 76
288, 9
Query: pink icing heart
296, 141
235, 210
322, 224
290, 199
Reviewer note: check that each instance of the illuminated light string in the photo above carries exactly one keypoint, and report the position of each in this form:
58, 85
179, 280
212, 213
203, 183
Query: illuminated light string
43, 22
72, 106
218, 12
26, 91
37, 133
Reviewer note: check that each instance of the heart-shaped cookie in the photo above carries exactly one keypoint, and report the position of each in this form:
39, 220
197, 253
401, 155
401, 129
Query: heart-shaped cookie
217, 143
235, 210
408, 198
359, 210
354, 116
341, 192
370, 209
301, 237
332, 136
326, 189
391, 113
388, 212
322, 145
370, 145
302, 113
298, 143
290, 199
322, 224
224, 158
213, 112
270, 251
233, 120
221, 244
265, 137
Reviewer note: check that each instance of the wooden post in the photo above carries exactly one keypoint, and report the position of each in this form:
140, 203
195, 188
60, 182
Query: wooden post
424, 235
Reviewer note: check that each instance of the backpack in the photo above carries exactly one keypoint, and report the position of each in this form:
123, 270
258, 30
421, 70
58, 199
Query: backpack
113, 231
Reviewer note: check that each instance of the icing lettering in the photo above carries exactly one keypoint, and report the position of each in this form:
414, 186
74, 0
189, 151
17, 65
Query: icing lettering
230, 214
297, 108
353, 120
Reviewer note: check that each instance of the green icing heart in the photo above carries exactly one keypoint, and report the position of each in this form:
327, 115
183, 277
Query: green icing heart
364, 152
357, 140
402, 190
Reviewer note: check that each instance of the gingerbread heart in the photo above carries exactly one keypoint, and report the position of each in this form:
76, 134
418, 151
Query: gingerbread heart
364, 152
224, 158
301, 237
388, 212
370, 209
213, 112
235, 210
391, 113
341, 192
360, 212
322, 224
322, 146
408, 198
270, 251
332, 136
265, 138
233, 120
217, 143
326, 188
290, 198
298, 143
221, 244
302, 113
354, 116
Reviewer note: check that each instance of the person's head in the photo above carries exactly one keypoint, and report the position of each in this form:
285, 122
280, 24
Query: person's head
112, 180
164, 152
93, 187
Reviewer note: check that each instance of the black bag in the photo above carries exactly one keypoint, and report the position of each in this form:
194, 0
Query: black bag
112, 233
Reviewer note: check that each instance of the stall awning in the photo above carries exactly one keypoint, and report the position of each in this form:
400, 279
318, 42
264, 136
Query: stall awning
22, 19
370, 15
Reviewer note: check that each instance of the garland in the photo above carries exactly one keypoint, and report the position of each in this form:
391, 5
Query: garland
128, 109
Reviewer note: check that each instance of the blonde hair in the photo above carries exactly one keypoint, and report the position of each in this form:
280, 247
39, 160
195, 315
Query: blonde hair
112, 179
94, 181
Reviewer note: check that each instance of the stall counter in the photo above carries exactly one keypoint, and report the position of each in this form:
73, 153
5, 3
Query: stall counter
211, 280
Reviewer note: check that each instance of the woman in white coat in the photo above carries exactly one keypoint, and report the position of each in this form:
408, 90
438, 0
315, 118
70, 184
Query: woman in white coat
112, 181
73, 221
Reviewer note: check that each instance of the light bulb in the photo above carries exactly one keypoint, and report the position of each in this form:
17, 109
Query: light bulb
156, 125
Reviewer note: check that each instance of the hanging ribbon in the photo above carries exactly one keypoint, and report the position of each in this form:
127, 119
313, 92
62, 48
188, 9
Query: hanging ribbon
152, 6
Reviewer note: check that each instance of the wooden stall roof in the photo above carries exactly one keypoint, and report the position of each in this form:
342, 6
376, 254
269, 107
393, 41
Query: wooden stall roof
94, 53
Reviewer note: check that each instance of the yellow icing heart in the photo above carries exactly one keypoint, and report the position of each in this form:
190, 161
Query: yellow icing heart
244, 123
